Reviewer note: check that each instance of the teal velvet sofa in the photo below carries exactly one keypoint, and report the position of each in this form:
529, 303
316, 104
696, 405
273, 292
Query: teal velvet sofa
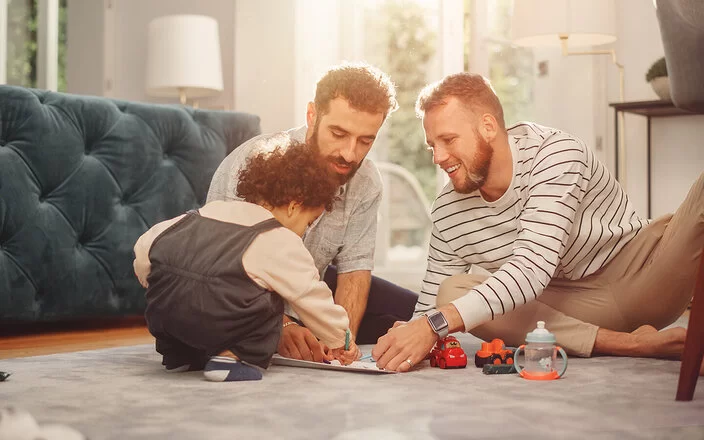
81, 178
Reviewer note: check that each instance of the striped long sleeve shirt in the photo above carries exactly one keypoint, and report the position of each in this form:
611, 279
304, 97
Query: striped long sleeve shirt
563, 216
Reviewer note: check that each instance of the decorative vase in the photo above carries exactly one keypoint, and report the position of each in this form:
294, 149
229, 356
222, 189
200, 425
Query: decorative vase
661, 87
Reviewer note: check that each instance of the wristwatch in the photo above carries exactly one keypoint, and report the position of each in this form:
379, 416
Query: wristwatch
438, 323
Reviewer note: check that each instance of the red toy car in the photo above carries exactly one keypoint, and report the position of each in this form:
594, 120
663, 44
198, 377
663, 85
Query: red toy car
448, 354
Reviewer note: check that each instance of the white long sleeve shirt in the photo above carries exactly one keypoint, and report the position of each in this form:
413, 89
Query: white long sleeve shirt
563, 216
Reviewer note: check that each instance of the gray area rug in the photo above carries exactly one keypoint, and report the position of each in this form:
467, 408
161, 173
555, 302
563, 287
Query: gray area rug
123, 393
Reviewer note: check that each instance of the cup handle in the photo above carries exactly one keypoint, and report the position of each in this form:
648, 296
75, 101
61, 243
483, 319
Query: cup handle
564, 361
519, 370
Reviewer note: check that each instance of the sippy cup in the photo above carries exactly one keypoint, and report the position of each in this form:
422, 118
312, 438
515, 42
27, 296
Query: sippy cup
540, 354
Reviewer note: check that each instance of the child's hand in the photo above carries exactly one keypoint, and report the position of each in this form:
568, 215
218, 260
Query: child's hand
349, 356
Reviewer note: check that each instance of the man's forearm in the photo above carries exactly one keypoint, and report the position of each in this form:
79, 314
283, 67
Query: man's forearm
352, 294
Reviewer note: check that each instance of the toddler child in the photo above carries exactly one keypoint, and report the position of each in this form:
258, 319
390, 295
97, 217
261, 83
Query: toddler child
217, 277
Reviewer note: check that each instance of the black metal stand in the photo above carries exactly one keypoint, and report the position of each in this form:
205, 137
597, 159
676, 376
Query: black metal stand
649, 109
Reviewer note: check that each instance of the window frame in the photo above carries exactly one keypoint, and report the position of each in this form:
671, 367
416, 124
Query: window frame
47, 43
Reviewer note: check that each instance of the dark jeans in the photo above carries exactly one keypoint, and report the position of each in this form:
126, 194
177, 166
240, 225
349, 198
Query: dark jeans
387, 304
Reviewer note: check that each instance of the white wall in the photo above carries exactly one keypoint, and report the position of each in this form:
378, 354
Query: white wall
677, 146
564, 98
84, 49
317, 47
265, 66
282, 48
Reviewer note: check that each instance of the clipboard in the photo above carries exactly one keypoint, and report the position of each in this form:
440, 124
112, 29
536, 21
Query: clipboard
356, 366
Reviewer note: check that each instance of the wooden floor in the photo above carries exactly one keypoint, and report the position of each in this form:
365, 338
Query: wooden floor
48, 339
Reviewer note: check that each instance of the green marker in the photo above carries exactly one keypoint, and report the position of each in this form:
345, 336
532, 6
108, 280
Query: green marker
347, 339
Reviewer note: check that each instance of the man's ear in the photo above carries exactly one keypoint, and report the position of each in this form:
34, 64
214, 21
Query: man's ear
488, 127
311, 114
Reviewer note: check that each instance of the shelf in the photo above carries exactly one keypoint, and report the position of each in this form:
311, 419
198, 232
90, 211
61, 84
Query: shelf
650, 108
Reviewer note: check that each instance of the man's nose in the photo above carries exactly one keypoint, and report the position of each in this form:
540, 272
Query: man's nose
439, 155
349, 151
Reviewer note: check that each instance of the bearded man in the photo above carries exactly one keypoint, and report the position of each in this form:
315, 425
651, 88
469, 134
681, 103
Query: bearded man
554, 235
352, 102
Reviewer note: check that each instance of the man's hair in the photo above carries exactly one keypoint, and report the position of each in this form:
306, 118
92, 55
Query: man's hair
473, 90
290, 172
365, 87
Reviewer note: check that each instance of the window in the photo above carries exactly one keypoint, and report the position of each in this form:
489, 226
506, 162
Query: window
489, 52
22, 43
401, 37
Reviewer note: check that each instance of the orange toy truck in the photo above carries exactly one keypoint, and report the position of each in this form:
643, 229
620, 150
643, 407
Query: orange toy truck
494, 352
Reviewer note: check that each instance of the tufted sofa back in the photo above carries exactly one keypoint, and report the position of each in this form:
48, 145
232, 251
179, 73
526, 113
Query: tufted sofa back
81, 178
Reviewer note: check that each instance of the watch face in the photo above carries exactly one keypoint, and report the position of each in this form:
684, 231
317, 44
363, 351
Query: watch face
437, 320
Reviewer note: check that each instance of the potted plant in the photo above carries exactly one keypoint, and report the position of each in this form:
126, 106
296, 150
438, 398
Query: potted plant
657, 77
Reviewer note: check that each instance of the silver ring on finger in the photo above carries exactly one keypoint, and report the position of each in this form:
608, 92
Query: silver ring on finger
410, 363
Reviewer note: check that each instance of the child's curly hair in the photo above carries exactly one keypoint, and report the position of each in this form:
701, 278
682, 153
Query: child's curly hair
290, 171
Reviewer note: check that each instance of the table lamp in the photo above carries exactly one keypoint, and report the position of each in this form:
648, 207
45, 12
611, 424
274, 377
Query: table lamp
183, 57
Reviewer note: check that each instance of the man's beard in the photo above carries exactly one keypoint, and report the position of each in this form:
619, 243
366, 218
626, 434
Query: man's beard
334, 159
476, 177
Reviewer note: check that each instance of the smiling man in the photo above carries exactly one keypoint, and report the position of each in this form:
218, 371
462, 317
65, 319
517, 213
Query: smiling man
533, 207
351, 103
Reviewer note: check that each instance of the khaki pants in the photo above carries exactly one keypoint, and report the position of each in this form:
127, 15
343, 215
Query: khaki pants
650, 281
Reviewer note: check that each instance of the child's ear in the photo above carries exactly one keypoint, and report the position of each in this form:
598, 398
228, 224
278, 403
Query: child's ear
293, 208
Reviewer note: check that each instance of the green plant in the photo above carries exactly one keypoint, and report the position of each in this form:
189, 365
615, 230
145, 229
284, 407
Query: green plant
658, 69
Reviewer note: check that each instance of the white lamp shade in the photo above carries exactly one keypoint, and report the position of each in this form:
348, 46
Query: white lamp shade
183, 53
541, 22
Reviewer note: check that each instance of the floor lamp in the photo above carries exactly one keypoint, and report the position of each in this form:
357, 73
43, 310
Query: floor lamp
571, 23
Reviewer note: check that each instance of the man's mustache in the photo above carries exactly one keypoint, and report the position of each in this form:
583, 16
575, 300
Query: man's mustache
340, 161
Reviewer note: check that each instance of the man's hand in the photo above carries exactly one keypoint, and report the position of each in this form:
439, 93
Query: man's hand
349, 356
410, 341
299, 343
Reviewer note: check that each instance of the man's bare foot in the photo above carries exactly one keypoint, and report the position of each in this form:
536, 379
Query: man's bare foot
665, 344
645, 341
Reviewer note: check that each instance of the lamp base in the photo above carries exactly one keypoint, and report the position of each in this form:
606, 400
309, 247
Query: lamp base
182, 95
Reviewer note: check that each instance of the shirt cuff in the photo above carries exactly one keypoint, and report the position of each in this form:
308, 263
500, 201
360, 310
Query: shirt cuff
351, 266
473, 309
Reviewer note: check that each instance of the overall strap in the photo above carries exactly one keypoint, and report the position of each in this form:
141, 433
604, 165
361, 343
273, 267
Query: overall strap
266, 225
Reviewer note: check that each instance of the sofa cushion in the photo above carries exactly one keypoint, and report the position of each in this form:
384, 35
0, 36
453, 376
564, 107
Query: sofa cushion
81, 178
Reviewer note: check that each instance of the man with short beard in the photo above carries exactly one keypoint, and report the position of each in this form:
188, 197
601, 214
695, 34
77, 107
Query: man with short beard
554, 234
351, 103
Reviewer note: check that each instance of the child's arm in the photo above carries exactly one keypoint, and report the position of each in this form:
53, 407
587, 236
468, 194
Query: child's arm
142, 265
278, 261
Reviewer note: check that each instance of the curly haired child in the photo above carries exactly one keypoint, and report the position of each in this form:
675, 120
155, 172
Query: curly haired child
217, 277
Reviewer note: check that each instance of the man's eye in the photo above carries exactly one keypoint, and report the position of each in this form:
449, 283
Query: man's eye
338, 135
